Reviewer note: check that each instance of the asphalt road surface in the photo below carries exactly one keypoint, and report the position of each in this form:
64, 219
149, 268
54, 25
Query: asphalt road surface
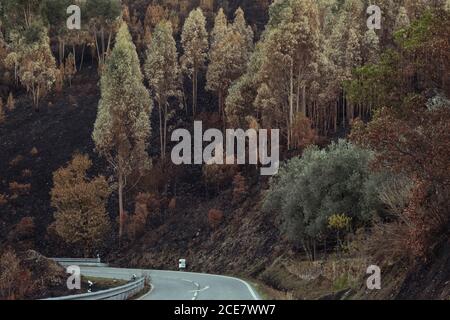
175, 285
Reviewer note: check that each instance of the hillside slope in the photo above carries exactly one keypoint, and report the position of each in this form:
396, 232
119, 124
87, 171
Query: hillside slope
34, 145
245, 242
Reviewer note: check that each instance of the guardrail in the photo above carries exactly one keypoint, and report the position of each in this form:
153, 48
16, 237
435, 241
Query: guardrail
95, 262
119, 293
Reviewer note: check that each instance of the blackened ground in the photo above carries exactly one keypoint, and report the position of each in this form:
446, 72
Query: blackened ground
62, 127
245, 243
431, 279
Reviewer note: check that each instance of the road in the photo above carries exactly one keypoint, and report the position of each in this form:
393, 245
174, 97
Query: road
174, 285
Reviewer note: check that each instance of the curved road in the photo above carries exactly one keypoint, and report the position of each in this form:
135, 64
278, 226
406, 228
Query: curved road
175, 285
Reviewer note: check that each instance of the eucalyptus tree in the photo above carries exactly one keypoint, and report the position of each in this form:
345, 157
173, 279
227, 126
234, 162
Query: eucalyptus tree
163, 74
122, 127
194, 40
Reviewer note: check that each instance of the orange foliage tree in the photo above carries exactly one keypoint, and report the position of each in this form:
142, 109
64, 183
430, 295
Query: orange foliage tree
415, 140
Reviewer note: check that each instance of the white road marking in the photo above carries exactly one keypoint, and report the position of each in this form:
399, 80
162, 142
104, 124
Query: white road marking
250, 289
200, 290
194, 291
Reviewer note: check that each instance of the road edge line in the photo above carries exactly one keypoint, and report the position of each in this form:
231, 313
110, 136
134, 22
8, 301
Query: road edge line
150, 291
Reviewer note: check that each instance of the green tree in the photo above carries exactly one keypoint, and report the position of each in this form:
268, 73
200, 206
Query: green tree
229, 54
163, 74
123, 125
289, 55
239, 105
194, 39
20, 14
103, 19
33, 60
80, 218
55, 14
240, 26
370, 47
220, 28
216, 75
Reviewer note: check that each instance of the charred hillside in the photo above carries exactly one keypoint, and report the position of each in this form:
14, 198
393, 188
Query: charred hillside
355, 107
34, 145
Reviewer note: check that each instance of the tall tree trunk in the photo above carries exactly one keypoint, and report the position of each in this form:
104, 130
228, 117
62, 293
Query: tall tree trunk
291, 101
196, 90
335, 116
220, 103
121, 211
344, 106
16, 72
194, 93
185, 102
103, 44
74, 57
222, 107
288, 134
109, 42
161, 130
97, 48
165, 129
297, 108
304, 99
82, 57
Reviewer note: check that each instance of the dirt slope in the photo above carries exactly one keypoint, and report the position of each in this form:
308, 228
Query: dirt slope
33, 145
245, 243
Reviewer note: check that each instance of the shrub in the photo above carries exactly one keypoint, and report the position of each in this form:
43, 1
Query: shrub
3, 199
239, 188
23, 230
308, 190
217, 177
26, 173
70, 68
81, 219
303, 134
10, 103
15, 281
136, 223
173, 204
14, 162
149, 207
158, 177
2, 112
59, 79
19, 188
414, 140
215, 218
340, 223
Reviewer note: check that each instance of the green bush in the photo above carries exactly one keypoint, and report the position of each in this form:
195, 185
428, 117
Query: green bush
309, 190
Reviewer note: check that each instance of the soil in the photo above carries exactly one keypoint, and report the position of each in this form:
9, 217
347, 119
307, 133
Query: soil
244, 243
42, 142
